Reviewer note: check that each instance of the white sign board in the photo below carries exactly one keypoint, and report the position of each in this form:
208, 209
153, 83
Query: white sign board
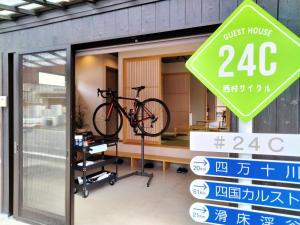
3, 101
246, 143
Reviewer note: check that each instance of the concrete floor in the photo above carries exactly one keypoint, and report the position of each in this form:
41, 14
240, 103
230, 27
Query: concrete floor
130, 202
4, 220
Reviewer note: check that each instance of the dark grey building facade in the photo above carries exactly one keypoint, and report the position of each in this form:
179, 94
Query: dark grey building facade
110, 23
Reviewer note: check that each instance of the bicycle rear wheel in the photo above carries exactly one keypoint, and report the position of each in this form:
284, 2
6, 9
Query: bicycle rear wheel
107, 121
153, 117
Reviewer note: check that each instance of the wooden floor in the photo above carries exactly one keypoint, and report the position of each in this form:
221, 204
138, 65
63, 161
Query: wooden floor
165, 160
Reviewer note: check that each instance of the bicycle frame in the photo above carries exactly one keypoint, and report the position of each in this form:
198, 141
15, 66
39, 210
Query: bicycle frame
136, 104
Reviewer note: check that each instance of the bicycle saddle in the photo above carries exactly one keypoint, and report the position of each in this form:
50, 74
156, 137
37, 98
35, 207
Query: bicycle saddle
138, 88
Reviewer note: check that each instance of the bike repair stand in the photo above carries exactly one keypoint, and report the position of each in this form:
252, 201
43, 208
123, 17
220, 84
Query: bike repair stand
142, 172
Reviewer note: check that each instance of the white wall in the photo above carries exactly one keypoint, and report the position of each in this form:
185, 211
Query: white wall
90, 74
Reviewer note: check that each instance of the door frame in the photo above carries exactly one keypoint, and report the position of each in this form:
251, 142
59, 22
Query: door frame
7, 116
70, 87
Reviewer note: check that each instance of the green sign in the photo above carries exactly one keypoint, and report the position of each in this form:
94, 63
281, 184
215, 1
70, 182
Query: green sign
250, 60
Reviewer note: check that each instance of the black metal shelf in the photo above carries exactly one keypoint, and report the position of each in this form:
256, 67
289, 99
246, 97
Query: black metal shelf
111, 179
99, 163
107, 160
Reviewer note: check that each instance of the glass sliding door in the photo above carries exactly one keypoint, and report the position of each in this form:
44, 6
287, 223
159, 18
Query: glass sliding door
41, 143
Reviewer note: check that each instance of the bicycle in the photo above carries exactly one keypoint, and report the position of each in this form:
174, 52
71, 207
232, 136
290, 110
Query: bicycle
151, 117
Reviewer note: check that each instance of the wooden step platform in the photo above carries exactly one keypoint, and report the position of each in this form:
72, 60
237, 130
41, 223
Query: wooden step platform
135, 157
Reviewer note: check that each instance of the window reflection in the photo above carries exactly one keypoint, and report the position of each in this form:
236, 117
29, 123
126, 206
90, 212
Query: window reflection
44, 132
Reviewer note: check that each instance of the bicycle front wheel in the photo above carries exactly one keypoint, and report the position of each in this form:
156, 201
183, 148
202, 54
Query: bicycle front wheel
107, 120
153, 117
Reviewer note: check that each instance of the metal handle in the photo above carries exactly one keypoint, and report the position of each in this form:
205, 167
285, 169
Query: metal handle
16, 147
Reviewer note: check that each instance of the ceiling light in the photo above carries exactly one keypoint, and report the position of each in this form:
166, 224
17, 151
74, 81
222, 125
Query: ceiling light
30, 6
6, 13
61, 53
32, 65
59, 61
47, 56
58, 1
44, 63
12, 2
31, 58
52, 79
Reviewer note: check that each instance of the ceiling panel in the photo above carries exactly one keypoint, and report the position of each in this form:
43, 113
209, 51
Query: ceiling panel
12, 9
12, 2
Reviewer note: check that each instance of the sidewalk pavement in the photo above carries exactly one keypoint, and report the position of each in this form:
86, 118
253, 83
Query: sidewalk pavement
4, 220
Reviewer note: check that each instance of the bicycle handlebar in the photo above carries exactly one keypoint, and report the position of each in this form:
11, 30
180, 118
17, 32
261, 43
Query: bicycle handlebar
105, 93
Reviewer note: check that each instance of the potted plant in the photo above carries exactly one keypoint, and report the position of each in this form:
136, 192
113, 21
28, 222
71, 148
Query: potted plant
79, 121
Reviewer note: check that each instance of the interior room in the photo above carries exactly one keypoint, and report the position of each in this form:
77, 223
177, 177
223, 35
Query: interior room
160, 68
192, 105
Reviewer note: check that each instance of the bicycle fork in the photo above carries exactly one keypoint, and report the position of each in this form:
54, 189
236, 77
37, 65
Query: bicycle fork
109, 112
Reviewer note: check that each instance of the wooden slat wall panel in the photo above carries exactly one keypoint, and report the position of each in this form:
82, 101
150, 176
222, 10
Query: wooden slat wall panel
83, 26
98, 25
148, 18
135, 20
122, 23
162, 16
288, 102
76, 11
176, 94
144, 71
266, 121
240, 1
282, 116
270, 5
109, 24
193, 12
289, 14
226, 8
210, 11
177, 13
288, 110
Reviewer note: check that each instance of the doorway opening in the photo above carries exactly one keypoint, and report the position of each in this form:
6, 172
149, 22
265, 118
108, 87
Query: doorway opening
160, 67
192, 105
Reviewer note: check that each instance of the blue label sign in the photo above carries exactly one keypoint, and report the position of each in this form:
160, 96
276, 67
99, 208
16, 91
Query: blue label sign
284, 198
288, 172
210, 214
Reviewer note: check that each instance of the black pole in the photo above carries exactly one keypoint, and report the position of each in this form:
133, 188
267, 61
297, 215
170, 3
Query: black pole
142, 172
142, 143
143, 154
